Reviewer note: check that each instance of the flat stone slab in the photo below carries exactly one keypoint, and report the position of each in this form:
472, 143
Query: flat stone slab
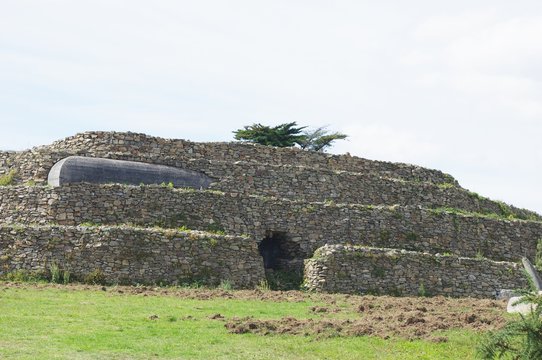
77, 169
523, 308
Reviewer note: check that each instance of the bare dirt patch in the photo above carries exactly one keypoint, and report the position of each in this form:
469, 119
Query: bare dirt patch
384, 316
334, 314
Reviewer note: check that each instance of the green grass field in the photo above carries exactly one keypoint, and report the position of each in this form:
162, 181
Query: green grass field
55, 322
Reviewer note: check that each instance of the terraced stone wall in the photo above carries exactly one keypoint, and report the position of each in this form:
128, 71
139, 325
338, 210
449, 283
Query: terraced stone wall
34, 164
129, 255
306, 226
5, 161
314, 185
362, 270
268, 171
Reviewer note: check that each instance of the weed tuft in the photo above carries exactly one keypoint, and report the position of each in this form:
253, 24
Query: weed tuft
9, 178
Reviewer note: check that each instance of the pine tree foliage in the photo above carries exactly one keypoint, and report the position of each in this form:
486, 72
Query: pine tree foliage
288, 135
320, 139
520, 339
284, 135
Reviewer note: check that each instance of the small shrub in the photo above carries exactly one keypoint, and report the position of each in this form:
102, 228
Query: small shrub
421, 290
309, 209
329, 202
505, 209
56, 273
213, 242
445, 186
411, 236
168, 185
95, 277
191, 283
519, 339
538, 256
66, 277
284, 280
9, 178
372, 291
225, 285
474, 195
88, 224
216, 228
263, 285
24, 276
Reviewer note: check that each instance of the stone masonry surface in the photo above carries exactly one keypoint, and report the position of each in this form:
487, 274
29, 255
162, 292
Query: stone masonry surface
269, 171
36, 163
362, 270
313, 185
308, 225
372, 226
131, 255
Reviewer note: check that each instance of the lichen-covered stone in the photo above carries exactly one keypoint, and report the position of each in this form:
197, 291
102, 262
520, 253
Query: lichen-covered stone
132, 255
307, 225
365, 270
310, 199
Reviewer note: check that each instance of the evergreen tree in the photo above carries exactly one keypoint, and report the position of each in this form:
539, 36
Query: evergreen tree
320, 139
284, 135
287, 135
520, 339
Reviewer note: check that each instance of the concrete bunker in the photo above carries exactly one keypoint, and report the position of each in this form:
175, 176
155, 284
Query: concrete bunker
77, 169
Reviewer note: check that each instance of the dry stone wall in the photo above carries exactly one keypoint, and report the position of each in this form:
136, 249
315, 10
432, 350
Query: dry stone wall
5, 161
304, 200
307, 225
313, 185
34, 164
268, 171
362, 270
129, 255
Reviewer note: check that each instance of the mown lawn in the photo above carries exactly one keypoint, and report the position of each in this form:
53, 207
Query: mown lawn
47, 322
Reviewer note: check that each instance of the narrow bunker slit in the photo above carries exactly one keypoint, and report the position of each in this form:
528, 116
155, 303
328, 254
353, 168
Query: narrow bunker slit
283, 261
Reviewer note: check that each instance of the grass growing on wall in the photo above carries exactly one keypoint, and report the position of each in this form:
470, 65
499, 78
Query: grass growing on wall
8, 179
73, 323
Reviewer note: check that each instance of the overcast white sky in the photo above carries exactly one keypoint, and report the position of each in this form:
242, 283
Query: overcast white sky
452, 85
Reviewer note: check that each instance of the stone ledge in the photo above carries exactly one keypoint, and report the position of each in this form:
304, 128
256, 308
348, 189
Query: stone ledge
363, 270
128, 255
309, 225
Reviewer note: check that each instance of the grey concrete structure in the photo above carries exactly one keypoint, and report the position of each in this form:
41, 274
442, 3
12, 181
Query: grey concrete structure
533, 274
77, 169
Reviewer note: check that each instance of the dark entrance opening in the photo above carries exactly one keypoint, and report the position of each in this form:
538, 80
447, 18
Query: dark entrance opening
270, 249
282, 260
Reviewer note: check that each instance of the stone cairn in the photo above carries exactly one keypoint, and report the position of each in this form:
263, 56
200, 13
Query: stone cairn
131, 208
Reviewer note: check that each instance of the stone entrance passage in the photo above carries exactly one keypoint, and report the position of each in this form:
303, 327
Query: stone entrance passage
271, 249
283, 261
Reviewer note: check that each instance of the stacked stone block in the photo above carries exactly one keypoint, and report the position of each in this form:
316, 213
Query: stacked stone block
354, 270
411, 217
129, 255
